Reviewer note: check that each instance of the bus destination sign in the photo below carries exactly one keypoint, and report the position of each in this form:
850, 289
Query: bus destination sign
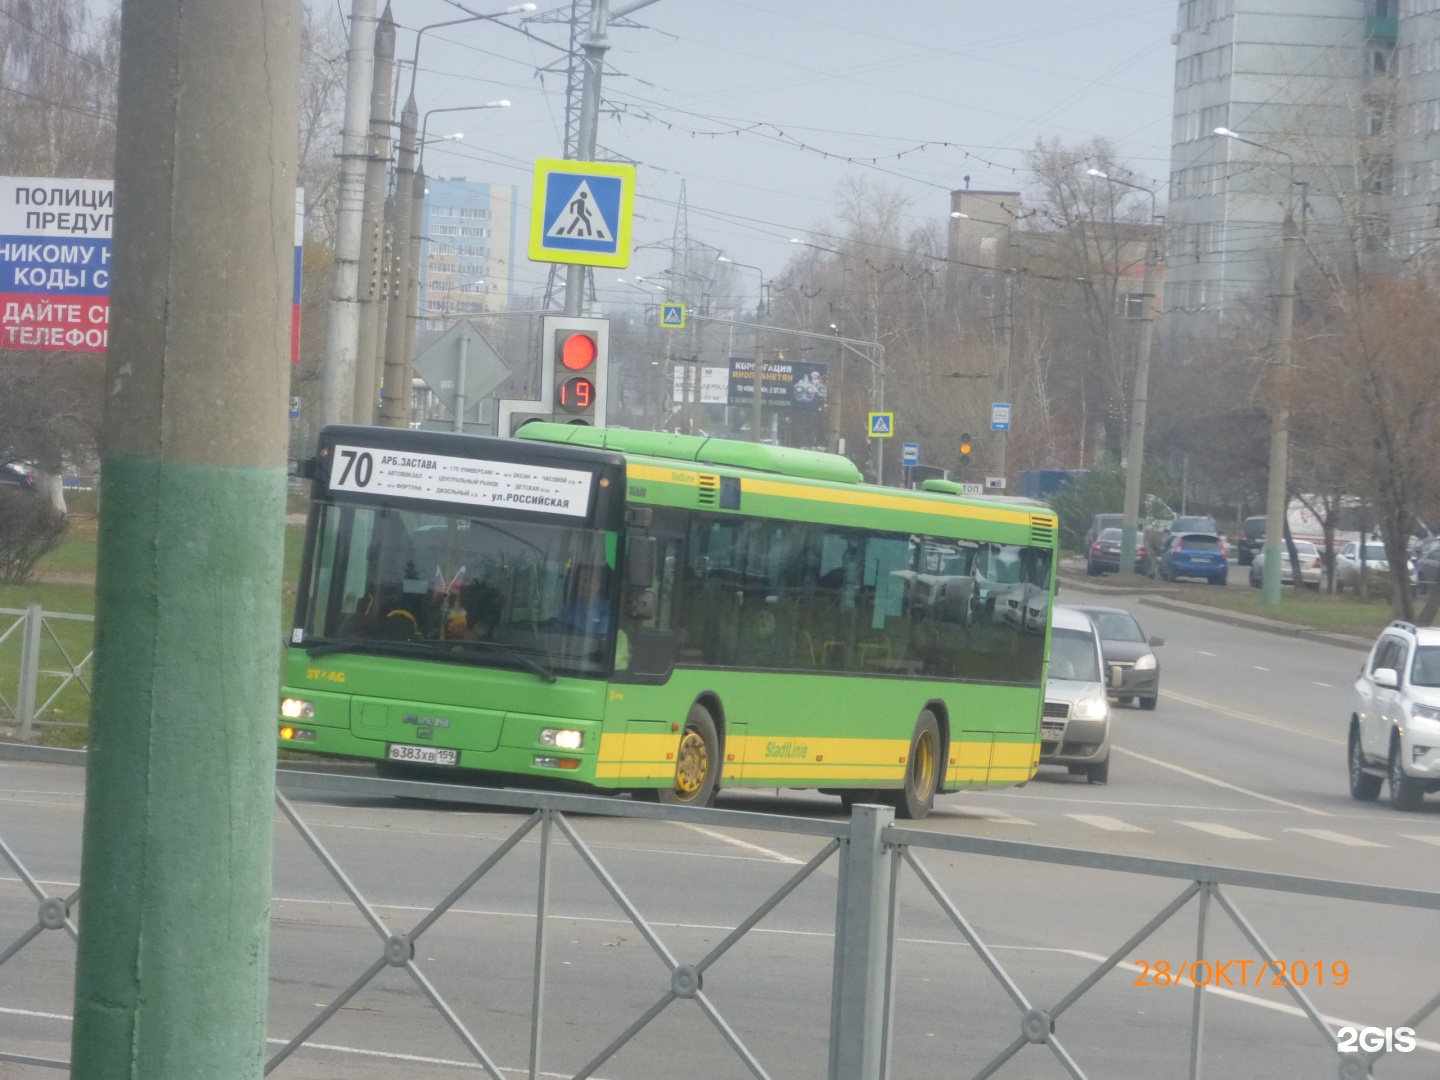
399, 474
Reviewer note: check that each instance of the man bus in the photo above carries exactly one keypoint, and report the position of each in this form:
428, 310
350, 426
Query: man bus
665, 615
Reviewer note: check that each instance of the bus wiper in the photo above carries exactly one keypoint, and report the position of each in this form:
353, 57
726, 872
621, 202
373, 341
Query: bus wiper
430, 650
513, 650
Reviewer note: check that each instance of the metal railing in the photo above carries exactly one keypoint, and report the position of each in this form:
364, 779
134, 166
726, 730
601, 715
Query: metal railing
870, 851
34, 626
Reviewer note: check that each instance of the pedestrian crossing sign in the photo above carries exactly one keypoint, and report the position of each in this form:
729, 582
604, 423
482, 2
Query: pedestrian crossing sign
580, 212
882, 425
672, 316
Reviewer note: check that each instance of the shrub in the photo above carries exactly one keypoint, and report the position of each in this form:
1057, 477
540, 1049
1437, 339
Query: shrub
1102, 491
30, 528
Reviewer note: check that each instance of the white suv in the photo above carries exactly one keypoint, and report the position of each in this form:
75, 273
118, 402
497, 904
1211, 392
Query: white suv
1395, 726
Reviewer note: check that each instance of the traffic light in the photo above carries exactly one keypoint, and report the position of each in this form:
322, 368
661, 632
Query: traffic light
967, 444
576, 354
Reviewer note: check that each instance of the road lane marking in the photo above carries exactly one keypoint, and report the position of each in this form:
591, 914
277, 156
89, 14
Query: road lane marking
1250, 718
1221, 830
998, 817
1424, 839
1326, 685
1218, 782
1109, 824
1337, 837
1204, 653
1257, 667
737, 842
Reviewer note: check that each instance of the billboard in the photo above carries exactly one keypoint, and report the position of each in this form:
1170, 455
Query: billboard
786, 384
55, 264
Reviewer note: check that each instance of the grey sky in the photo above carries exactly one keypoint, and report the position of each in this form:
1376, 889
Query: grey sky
848, 78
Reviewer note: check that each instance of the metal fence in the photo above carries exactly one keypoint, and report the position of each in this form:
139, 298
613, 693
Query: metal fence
40, 644
872, 855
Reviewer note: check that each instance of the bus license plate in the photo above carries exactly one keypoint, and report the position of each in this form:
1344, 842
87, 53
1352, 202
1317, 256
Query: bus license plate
425, 755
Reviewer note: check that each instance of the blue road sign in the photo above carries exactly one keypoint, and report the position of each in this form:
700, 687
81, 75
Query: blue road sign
1000, 416
910, 453
581, 212
881, 425
672, 316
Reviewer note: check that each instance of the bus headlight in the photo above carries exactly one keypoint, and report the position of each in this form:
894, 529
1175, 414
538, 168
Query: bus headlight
1090, 708
564, 738
297, 709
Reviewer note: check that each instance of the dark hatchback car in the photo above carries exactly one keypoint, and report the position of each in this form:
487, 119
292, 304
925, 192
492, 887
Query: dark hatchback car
1104, 554
1251, 540
1194, 555
1132, 670
1099, 523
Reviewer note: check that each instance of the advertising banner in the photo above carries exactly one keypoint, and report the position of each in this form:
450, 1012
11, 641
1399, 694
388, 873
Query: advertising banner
787, 384
55, 264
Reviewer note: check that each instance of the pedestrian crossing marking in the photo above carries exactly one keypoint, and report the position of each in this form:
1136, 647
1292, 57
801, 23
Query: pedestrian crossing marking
998, 817
1337, 838
581, 217
1424, 839
1225, 831
1109, 824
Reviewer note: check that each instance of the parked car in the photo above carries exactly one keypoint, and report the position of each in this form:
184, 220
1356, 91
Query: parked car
1194, 555
1312, 567
1075, 723
1158, 537
1251, 540
1099, 523
1377, 562
13, 474
1427, 566
1132, 669
1103, 556
1395, 721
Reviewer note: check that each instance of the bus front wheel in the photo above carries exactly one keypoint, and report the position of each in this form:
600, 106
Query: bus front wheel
922, 770
697, 762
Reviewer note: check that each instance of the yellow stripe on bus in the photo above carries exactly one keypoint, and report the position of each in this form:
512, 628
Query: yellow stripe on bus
867, 498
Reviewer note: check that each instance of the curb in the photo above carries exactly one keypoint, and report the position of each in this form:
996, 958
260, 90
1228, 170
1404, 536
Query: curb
1228, 618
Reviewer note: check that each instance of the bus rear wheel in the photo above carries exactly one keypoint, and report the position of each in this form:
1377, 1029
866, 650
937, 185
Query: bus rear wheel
922, 770
697, 762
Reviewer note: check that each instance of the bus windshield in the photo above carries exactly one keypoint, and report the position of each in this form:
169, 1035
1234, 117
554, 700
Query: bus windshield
536, 596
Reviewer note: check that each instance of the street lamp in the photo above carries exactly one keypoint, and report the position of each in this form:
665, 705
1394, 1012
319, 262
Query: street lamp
424, 126
1135, 457
757, 405
514, 9
1275, 500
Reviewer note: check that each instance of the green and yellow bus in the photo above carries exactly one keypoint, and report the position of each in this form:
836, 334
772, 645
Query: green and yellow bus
665, 615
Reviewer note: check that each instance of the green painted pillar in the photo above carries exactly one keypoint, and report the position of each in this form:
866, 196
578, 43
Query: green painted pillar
175, 871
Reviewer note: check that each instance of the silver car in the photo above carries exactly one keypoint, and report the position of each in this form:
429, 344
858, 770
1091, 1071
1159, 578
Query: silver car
1075, 724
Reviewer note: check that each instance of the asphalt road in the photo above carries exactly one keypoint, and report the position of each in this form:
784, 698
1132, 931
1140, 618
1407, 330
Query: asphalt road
1242, 764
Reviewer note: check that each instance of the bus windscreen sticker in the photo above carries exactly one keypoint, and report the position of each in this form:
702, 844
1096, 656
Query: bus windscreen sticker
373, 471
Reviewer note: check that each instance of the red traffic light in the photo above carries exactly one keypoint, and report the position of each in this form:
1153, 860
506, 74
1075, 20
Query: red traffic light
576, 395
578, 351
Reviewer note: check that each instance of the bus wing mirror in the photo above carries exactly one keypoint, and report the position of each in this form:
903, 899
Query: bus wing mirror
640, 560
642, 606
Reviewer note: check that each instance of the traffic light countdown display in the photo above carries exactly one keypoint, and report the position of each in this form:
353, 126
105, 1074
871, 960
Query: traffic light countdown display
576, 354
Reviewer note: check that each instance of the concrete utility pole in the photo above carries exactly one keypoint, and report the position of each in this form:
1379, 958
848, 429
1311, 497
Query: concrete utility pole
1135, 451
1005, 329
1275, 502
171, 972
395, 409
342, 338
595, 45
372, 290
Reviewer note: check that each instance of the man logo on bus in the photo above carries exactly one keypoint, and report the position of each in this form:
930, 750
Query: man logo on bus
425, 725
